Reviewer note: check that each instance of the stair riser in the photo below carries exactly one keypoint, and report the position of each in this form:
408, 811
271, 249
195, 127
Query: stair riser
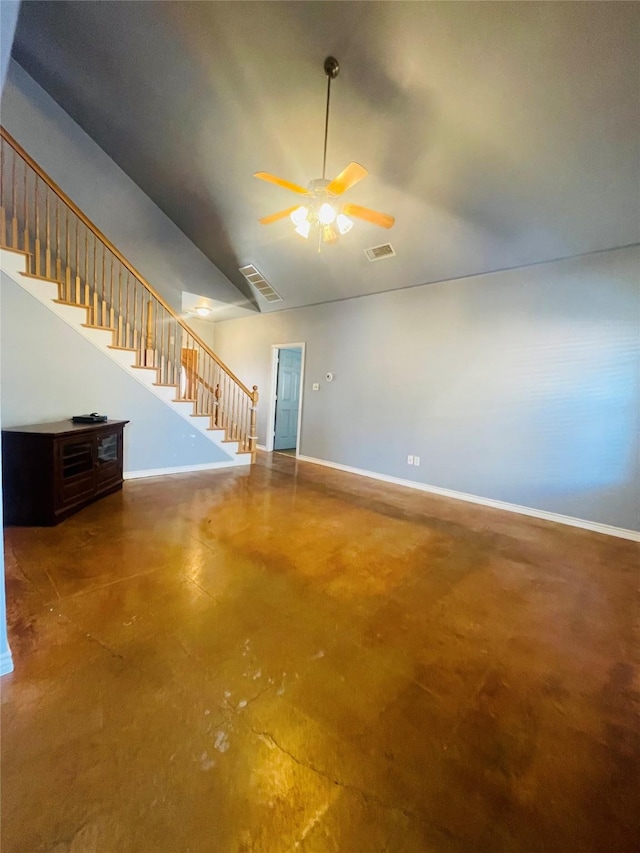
125, 359
44, 291
168, 395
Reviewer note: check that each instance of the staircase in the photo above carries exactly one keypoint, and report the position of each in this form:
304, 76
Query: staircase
52, 250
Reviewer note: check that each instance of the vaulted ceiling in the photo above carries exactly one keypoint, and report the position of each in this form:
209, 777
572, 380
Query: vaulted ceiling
497, 134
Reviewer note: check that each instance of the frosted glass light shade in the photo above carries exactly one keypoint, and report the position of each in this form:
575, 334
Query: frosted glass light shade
303, 228
326, 214
344, 223
299, 215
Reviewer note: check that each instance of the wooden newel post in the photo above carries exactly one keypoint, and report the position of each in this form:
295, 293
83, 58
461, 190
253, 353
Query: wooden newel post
253, 438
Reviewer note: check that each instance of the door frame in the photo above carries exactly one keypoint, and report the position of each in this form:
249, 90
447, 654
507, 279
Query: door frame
273, 386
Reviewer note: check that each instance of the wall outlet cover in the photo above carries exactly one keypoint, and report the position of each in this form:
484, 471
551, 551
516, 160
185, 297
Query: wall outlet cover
316, 386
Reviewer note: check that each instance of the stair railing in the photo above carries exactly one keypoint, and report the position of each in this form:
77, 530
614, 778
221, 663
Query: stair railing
62, 244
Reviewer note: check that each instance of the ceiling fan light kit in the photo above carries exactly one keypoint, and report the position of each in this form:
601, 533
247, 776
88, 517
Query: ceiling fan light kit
322, 210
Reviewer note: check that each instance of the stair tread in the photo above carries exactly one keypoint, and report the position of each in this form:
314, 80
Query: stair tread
162, 384
126, 349
74, 304
42, 277
104, 328
143, 366
17, 251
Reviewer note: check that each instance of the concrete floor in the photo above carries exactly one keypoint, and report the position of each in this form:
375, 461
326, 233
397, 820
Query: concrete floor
290, 658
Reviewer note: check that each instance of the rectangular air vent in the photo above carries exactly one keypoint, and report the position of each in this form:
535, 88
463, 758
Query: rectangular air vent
376, 253
260, 284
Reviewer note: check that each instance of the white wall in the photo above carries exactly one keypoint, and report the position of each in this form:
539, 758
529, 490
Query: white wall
520, 386
50, 372
134, 224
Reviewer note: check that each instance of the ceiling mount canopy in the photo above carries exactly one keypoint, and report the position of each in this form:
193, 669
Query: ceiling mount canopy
321, 210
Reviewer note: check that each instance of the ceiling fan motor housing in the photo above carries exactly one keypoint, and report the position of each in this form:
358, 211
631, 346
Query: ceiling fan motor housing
319, 186
319, 195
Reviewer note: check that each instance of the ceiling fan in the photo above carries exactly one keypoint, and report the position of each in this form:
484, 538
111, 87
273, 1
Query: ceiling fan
322, 209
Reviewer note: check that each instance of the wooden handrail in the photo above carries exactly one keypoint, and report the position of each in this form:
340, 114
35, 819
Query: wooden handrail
106, 242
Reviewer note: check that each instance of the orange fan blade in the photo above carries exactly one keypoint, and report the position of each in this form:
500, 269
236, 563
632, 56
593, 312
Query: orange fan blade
347, 178
280, 182
267, 220
368, 215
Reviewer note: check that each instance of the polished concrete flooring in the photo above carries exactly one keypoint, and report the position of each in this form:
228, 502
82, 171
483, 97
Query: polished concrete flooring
289, 658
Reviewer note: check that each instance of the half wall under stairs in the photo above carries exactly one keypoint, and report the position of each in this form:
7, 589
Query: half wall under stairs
12, 264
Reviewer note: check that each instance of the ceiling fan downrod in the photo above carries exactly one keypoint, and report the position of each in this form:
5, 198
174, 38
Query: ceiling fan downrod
331, 69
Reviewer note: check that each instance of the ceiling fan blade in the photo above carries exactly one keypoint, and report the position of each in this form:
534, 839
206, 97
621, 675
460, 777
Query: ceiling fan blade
267, 220
280, 182
369, 215
347, 178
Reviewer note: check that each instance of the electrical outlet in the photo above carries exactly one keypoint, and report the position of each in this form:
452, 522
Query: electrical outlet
409, 460
416, 460
316, 386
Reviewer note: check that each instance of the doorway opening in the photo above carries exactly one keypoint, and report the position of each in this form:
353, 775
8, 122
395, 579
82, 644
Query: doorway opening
285, 399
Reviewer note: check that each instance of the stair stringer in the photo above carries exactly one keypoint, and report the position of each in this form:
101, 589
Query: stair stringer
46, 291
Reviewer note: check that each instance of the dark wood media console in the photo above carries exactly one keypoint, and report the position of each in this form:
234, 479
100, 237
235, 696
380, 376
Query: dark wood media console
50, 471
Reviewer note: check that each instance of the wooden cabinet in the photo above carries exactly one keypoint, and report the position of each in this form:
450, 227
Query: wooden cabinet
50, 471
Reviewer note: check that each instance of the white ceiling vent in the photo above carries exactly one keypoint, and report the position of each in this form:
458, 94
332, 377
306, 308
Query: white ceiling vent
377, 253
260, 284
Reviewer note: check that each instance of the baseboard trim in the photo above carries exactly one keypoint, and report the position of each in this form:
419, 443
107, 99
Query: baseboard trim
606, 529
262, 447
6, 663
180, 469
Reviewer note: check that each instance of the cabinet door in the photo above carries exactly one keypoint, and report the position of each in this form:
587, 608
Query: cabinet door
108, 459
74, 469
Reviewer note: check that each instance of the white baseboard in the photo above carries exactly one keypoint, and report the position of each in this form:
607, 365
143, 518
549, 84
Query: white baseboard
261, 447
6, 663
607, 529
181, 469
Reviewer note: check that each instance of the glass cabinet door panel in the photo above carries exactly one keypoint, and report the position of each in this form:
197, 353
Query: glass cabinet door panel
77, 458
107, 448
